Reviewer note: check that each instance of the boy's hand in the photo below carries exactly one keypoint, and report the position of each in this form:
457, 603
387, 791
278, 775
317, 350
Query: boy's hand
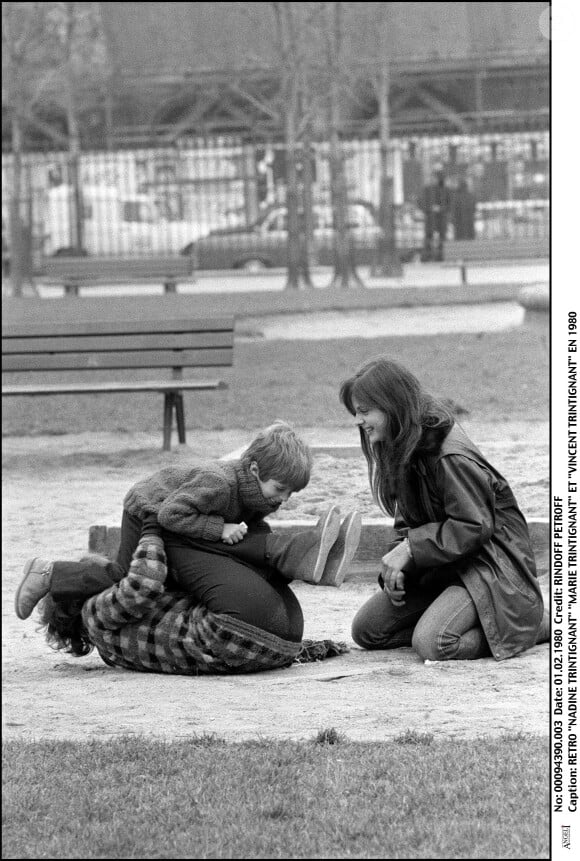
233, 532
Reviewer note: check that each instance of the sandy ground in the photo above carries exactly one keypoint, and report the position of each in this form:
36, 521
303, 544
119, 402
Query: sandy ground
54, 488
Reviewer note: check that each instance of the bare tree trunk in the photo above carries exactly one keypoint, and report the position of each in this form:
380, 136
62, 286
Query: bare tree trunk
298, 272
388, 262
251, 207
77, 220
305, 219
108, 108
16, 231
345, 275
307, 181
74, 135
294, 279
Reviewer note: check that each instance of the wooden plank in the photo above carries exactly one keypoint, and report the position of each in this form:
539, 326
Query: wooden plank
487, 251
100, 388
490, 249
118, 327
124, 273
78, 281
87, 279
498, 255
496, 240
161, 259
97, 267
124, 342
93, 361
490, 257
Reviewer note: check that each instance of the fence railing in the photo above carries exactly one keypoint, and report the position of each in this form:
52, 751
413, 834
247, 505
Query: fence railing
226, 199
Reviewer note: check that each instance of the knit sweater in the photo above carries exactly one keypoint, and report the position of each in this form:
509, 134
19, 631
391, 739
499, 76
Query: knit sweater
197, 500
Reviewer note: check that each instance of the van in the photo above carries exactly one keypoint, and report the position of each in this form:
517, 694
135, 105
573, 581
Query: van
113, 224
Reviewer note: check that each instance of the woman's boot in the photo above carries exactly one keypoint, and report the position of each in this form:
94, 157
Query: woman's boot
302, 556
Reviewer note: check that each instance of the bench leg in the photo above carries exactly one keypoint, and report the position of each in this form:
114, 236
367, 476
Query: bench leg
71, 289
180, 416
463, 274
167, 420
170, 287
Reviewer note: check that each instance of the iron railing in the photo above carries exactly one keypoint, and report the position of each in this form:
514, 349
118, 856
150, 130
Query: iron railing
225, 199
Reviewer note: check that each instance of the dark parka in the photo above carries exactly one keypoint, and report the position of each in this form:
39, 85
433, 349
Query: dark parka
462, 519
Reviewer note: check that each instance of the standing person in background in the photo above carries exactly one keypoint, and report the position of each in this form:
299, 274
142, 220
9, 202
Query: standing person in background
460, 581
463, 212
435, 201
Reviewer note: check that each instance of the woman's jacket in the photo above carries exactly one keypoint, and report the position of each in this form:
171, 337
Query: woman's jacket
462, 519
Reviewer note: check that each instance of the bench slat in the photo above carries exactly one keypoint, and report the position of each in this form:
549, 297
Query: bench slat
89, 264
123, 342
116, 327
87, 268
112, 276
109, 280
495, 249
135, 359
97, 388
499, 255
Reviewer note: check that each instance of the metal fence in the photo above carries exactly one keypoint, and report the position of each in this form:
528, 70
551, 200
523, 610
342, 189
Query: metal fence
224, 199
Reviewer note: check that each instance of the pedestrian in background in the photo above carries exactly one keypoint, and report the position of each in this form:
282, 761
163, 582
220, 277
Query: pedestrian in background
463, 212
435, 201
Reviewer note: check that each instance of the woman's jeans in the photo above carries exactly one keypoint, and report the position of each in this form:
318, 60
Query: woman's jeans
440, 627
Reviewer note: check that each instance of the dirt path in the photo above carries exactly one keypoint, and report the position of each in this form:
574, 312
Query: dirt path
56, 487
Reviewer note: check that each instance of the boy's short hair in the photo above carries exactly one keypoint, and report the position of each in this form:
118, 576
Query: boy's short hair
280, 454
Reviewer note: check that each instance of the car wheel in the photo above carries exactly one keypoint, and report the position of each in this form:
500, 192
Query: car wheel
253, 265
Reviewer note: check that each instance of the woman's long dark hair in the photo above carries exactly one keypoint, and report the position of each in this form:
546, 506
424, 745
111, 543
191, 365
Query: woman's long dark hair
415, 422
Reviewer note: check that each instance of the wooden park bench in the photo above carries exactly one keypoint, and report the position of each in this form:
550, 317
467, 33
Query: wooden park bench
117, 345
466, 252
76, 272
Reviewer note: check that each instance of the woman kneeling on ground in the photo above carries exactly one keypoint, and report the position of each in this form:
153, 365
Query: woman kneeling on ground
460, 581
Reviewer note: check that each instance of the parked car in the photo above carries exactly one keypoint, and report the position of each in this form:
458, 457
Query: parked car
265, 242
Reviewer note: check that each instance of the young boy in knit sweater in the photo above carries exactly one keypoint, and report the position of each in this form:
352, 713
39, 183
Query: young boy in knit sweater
221, 500
213, 507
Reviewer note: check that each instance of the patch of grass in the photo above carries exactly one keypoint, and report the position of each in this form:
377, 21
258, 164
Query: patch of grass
203, 798
329, 736
411, 736
503, 375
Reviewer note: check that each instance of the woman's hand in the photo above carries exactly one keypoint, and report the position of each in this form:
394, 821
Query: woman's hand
233, 532
394, 562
